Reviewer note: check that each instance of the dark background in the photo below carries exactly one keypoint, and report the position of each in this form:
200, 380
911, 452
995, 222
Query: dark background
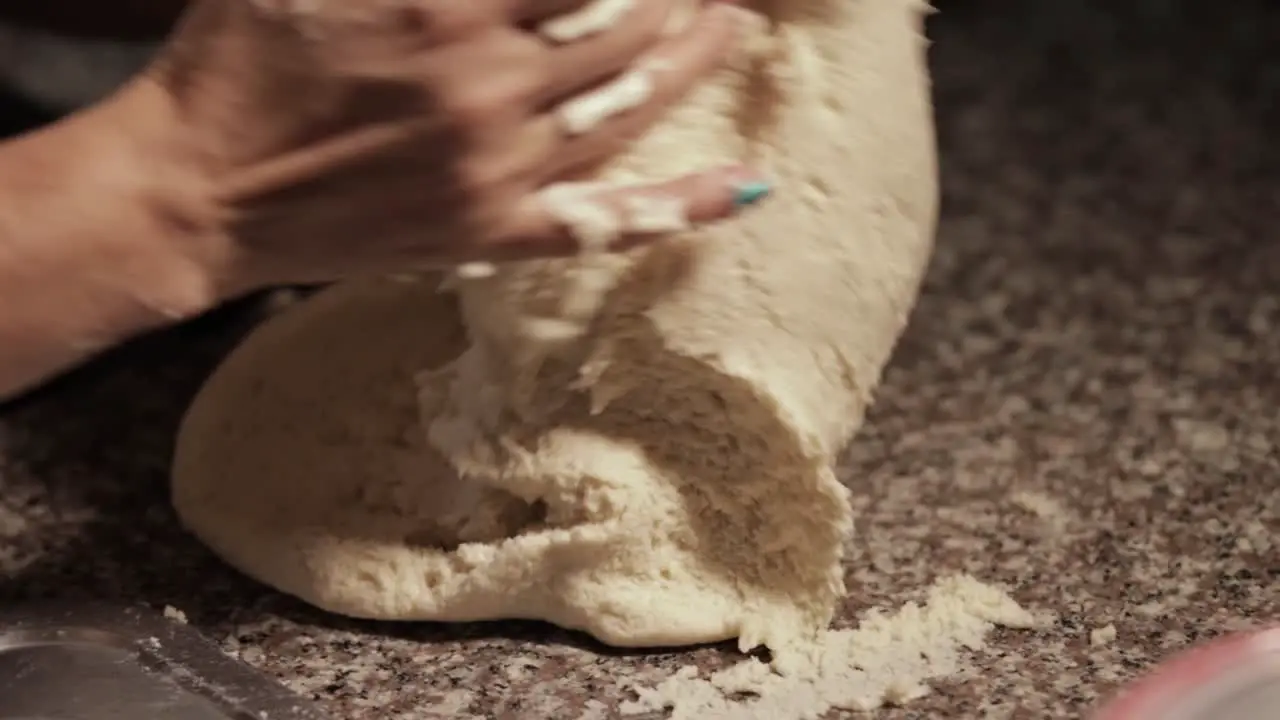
17, 114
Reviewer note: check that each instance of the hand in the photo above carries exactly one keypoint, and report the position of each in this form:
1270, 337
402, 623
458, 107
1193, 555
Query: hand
374, 136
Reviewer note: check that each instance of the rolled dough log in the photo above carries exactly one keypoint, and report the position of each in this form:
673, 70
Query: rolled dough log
665, 477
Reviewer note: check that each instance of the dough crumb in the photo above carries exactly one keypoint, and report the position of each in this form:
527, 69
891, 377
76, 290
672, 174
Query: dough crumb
886, 660
1201, 437
1102, 636
175, 614
12, 524
278, 301
476, 270
1047, 508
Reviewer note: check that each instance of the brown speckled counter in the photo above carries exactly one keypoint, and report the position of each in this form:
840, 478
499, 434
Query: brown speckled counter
1086, 409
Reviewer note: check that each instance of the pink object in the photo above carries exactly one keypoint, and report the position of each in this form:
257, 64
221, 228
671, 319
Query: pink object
1233, 678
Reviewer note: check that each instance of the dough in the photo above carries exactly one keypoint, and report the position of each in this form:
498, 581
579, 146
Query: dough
663, 477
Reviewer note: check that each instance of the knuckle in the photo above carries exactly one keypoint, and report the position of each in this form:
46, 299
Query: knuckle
486, 180
443, 22
490, 82
495, 98
474, 106
529, 70
476, 181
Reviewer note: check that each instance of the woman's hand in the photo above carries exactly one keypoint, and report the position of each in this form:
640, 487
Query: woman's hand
376, 135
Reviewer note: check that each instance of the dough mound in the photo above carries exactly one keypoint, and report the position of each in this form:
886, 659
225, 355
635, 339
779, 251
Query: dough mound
665, 477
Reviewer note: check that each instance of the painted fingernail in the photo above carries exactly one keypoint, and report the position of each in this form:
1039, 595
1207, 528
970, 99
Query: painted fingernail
751, 192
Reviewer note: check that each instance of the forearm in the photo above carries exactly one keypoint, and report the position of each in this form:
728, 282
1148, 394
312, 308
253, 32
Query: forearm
96, 241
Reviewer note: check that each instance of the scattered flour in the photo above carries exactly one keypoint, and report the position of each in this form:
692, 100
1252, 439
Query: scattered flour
886, 660
594, 710
1102, 636
476, 270
12, 523
584, 113
594, 17
1043, 506
175, 614
1201, 437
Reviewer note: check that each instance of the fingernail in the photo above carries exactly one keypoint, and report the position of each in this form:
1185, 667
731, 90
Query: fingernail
750, 192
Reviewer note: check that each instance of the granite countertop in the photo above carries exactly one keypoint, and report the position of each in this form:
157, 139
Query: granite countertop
1084, 409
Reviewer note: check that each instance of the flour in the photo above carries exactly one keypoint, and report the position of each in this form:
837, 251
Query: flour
886, 660
594, 17
584, 113
175, 614
1102, 636
476, 270
1047, 508
597, 227
12, 523
640, 446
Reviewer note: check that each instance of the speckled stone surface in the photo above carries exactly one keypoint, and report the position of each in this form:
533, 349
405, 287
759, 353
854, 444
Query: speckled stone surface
1084, 409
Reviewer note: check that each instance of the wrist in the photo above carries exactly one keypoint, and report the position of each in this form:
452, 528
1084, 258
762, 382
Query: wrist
93, 243
104, 231
152, 167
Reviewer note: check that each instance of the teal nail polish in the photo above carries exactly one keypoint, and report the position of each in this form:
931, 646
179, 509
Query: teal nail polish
750, 193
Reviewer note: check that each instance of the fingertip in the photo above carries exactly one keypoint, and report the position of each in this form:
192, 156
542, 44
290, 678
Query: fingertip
726, 192
748, 189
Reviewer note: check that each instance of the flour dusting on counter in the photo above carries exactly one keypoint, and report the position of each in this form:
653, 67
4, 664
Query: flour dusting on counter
885, 661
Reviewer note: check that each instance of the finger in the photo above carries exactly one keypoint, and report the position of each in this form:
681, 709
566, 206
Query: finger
574, 67
418, 22
568, 218
602, 123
